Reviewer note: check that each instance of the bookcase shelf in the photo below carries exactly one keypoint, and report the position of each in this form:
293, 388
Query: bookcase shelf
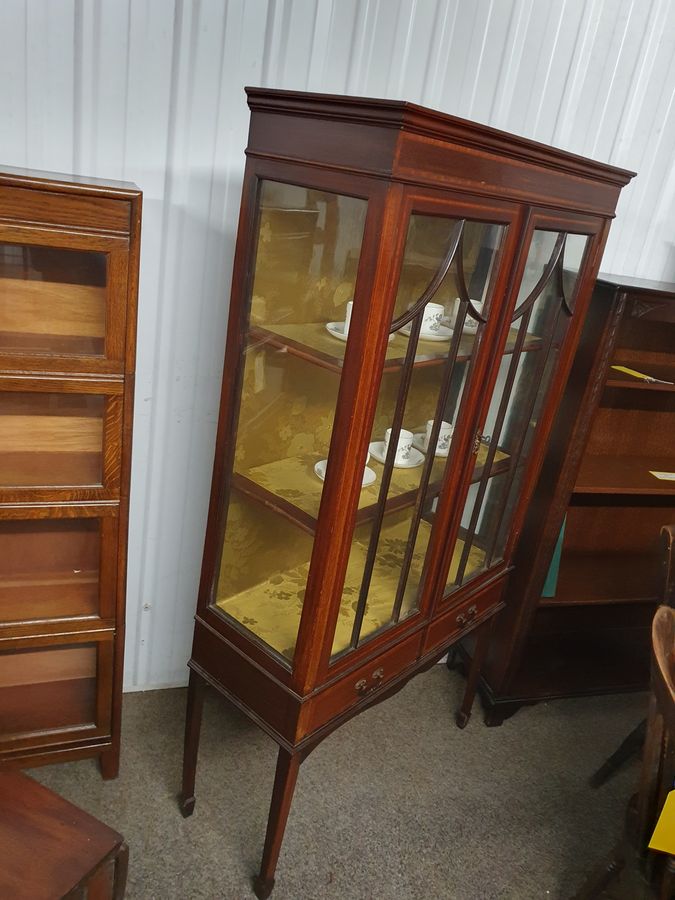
630, 475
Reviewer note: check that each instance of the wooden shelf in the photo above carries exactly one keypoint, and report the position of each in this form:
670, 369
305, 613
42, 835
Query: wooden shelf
290, 487
565, 664
625, 475
49, 596
52, 317
655, 370
50, 469
272, 608
313, 343
606, 578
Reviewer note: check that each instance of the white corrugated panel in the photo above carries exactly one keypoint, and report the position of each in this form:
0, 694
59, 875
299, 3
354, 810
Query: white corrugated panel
152, 92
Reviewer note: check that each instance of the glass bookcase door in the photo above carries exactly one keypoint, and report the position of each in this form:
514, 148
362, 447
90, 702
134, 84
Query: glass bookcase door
50, 439
53, 301
54, 568
52, 689
543, 309
308, 245
445, 296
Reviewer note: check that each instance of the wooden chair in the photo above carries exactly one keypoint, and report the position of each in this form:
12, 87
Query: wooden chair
50, 849
650, 873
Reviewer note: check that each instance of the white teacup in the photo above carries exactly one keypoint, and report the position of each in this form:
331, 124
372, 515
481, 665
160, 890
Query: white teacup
432, 318
403, 448
348, 316
445, 433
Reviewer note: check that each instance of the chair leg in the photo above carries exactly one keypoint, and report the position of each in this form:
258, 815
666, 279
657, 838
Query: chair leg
668, 880
482, 639
285, 778
193, 722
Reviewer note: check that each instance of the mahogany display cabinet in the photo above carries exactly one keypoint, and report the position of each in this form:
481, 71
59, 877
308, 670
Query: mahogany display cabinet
581, 625
407, 296
68, 283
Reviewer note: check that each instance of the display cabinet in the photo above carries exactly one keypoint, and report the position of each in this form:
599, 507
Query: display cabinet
407, 295
609, 478
68, 282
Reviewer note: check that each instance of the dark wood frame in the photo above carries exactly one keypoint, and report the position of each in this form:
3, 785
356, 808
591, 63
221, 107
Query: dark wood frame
401, 157
511, 676
42, 209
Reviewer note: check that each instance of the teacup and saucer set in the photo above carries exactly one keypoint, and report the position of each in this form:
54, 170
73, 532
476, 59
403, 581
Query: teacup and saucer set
421, 439
340, 330
432, 328
406, 457
369, 475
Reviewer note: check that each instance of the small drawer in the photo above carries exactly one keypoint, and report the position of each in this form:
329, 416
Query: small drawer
462, 617
360, 684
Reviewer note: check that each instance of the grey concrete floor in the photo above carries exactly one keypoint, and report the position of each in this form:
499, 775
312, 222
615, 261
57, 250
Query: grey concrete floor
396, 805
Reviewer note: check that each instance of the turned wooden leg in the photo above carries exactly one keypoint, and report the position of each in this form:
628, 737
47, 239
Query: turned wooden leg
193, 722
109, 763
286, 775
464, 713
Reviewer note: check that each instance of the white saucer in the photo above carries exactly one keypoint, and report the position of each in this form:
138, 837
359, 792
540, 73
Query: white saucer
418, 443
369, 475
444, 333
337, 330
377, 452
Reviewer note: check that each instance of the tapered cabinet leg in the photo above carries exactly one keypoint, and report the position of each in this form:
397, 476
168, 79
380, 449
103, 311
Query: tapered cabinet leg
109, 763
482, 638
193, 722
286, 776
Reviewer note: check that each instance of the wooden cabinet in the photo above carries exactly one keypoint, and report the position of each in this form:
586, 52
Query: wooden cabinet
68, 283
609, 477
407, 296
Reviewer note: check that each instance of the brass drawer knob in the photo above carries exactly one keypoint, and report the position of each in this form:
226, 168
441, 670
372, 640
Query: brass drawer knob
471, 613
363, 686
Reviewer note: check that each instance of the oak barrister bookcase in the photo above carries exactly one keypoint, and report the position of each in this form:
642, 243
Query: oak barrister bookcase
407, 296
68, 282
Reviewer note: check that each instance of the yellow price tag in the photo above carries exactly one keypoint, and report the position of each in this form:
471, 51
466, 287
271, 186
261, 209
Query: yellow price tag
663, 838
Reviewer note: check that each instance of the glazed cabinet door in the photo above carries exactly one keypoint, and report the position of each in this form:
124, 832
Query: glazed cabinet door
446, 311
287, 341
56, 692
555, 263
62, 300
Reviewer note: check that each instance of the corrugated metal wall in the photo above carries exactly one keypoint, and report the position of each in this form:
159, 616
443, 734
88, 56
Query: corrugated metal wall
152, 91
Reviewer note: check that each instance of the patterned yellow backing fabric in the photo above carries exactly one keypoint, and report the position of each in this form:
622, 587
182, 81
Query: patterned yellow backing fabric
271, 609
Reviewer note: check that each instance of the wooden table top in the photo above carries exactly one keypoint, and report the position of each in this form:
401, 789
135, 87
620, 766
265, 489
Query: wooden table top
47, 845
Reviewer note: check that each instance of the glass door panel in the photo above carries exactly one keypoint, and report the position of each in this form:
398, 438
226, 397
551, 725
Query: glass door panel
49, 568
52, 301
308, 249
50, 439
444, 298
47, 689
542, 313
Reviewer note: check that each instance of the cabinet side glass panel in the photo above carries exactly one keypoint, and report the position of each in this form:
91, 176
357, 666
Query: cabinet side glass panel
542, 314
308, 248
444, 297
52, 300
